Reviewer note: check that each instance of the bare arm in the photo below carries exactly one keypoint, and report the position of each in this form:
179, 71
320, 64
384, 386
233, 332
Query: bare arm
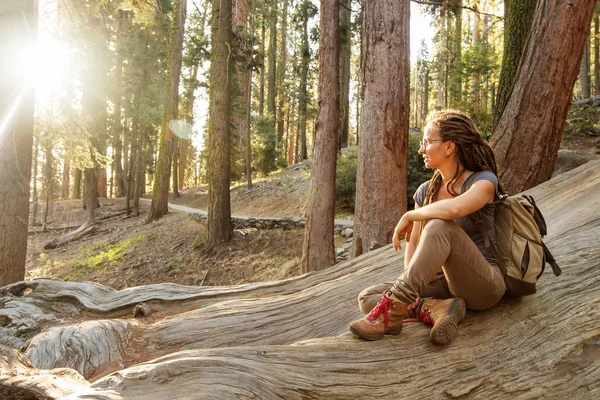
411, 245
480, 194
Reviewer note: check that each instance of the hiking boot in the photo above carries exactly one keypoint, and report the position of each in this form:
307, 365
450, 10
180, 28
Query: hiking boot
384, 319
444, 315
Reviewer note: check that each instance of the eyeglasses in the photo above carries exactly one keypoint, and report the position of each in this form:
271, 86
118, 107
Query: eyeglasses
423, 143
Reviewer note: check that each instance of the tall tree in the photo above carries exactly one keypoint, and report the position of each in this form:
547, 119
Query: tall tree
518, 16
219, 166
17, 32
382, 155
281, 72
345, 53
527, 137
596, 55
306, 9
160, 189
318, 251
272, 57
584, 72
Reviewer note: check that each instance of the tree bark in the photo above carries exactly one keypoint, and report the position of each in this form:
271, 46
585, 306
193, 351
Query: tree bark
318, 251
584, 71
305, 58
272, 84
241, 104
219, 204
66, 181
456, 78
18, 22
117, 119
34, 189
345, 53
528, 134
48, 181
596, 55
382, 155
77, 184
518, 16
162, 176
281, 74
90, 195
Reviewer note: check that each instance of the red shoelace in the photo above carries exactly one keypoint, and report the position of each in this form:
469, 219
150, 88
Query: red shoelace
381, 308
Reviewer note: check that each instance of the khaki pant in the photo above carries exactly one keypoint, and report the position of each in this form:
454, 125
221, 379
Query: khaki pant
446, 263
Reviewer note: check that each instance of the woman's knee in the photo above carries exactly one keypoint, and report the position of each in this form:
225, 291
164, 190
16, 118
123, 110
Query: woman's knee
368, 298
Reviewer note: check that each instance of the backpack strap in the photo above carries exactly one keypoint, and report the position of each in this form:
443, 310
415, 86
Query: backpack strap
550, 260
476, 218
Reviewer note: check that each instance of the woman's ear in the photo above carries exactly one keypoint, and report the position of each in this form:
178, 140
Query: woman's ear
450, 146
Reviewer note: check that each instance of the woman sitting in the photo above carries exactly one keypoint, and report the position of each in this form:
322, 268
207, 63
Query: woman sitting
448, 266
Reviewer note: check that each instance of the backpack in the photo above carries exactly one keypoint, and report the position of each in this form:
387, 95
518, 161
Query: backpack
521, 253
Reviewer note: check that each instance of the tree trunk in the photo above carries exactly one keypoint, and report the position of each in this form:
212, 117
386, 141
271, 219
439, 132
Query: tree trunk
584, 71
318, 251
240, 120
175, 146
48, 187
77, 184
219, 205
18, 22
272, 84
475, 78
527, 137
596, 56
305, 57
160, 189
90, 195
456, 77
518, 16
263, 36
281, 74
382, 155
117, 120
247, 131
66, 181
345, 53
34, 190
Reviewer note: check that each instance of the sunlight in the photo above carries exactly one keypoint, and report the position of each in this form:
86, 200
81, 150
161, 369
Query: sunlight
44, 66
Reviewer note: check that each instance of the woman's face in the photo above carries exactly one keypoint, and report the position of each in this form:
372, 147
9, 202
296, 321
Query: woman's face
432, 148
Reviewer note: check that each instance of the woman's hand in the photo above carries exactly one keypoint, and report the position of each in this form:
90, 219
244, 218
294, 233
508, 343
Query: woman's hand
404, 227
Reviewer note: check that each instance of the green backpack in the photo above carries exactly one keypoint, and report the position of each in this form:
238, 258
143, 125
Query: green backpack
521, 253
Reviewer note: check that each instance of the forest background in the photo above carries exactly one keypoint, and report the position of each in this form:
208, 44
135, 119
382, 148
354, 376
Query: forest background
151, 97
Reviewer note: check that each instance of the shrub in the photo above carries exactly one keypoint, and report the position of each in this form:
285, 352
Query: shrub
346, 173
264, 145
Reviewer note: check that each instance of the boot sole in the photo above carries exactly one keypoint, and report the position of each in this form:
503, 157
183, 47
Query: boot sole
446, 330
361, 335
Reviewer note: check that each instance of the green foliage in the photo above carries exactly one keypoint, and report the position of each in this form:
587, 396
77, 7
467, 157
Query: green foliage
345, 178
417, 173
581, 119
264, 145
102, 254
347, 167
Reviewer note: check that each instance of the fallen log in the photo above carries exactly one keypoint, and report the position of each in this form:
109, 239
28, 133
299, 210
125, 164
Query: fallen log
288, 339
77, 234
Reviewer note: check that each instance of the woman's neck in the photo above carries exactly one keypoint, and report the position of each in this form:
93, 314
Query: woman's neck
448, 172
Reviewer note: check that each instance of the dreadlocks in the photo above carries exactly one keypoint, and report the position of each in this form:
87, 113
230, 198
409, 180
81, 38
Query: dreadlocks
472, 151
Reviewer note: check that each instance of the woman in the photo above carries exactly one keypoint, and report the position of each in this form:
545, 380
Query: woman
446, 256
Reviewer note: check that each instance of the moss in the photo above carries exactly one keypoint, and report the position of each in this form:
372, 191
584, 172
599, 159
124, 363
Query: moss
102, 254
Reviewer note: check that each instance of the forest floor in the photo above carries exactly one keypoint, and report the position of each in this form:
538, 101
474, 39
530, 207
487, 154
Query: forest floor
126, 252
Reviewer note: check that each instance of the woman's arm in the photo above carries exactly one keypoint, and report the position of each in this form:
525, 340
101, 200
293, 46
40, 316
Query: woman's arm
478, 195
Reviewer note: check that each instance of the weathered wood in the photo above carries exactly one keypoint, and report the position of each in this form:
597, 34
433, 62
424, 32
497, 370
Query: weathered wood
77, 234
280, 339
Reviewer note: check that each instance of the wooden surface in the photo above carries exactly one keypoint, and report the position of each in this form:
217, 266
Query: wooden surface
288, 339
